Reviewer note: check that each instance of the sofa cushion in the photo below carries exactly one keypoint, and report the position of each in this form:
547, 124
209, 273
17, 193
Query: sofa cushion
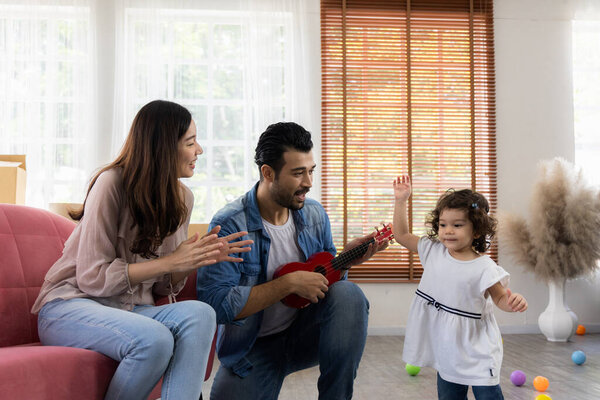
54, 373
31, 240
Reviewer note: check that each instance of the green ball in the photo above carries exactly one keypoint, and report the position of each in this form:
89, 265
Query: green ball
412, 370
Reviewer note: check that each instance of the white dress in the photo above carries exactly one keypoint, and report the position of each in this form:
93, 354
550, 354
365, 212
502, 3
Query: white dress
451, 325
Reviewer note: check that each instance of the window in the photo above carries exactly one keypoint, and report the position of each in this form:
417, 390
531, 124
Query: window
226, 67
74, 73
407, 87
45, 110
586, 86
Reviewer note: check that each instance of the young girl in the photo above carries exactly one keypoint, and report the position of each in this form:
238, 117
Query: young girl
451, 325
129, 245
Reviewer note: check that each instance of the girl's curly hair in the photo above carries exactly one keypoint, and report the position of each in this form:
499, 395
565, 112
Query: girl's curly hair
477, 208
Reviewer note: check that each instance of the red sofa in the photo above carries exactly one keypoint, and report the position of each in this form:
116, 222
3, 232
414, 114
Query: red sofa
31, 240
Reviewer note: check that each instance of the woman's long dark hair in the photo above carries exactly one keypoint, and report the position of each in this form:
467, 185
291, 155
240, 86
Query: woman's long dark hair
149, 162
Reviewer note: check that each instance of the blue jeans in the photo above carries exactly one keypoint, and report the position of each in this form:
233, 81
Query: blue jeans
330, 333
173, 340
454, 391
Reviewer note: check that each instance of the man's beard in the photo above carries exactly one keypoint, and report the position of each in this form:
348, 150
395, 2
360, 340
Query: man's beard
284, 200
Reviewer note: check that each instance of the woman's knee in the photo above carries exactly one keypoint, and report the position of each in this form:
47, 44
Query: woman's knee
199, 313
157, 343
198, 318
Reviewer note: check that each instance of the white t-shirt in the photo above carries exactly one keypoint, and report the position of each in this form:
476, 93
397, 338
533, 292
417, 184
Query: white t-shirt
451, 325
283, 250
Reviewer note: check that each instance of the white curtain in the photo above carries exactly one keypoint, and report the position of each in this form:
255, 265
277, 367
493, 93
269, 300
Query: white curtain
73, 73
47, 62
238, 65
586, 87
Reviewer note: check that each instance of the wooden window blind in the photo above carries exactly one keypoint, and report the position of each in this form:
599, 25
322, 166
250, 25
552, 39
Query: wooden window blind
408, 87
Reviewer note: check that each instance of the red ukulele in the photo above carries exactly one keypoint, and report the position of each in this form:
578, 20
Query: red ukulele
324, 263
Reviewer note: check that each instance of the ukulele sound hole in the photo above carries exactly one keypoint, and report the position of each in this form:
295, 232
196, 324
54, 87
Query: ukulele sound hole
321, 270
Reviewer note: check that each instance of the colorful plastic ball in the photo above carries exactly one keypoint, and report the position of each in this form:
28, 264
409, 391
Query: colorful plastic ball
580, 330
541, 383
518, 377
412, 370
543, 397
578, 357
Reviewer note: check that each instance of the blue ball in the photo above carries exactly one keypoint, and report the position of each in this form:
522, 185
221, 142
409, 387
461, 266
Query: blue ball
578, 357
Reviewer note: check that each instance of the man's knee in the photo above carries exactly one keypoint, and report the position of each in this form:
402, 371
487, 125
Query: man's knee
347, 295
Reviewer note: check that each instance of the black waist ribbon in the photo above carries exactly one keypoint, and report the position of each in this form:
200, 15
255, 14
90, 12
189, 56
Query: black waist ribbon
439, 306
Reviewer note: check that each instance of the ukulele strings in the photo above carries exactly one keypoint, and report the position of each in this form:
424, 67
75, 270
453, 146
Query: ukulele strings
344, 259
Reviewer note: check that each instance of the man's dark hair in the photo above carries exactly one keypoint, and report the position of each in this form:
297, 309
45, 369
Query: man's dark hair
277, 139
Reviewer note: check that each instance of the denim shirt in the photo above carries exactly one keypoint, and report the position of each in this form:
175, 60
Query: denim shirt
226, 285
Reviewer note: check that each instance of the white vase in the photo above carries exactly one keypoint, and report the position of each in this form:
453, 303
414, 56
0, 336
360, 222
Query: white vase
558, 323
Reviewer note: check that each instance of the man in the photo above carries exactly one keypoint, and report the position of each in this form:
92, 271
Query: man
260, 339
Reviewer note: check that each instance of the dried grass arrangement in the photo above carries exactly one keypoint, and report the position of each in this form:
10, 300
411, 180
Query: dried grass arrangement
562, 238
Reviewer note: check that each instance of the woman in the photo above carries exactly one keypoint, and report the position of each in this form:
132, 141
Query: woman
129, 245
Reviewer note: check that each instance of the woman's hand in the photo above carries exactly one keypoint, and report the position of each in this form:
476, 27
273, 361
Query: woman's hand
228, 248
402, 188
210, 249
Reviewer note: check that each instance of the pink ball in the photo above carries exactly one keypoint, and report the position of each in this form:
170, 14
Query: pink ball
518, 377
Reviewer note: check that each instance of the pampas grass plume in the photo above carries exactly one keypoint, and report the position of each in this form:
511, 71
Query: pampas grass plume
562, 237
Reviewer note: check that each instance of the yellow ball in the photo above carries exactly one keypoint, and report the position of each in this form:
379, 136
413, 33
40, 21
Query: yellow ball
543, 397
541, 383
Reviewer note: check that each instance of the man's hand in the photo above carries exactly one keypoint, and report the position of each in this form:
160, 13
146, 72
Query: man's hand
309, 285
371, 250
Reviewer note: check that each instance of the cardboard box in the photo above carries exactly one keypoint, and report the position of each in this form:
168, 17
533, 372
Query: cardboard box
13, 178
201, 229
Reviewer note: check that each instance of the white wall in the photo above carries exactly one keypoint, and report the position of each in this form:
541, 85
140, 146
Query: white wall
534, 122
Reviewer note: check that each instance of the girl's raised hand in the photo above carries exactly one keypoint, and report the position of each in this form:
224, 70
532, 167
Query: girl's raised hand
402, 188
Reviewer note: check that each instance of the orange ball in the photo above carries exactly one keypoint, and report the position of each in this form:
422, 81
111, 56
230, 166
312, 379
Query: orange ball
541, 383
580, 330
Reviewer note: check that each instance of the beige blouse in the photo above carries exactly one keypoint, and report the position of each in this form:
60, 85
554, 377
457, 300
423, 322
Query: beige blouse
96, 255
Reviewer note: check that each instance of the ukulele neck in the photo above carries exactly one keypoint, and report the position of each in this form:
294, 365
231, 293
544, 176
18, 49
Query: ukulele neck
343, 261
